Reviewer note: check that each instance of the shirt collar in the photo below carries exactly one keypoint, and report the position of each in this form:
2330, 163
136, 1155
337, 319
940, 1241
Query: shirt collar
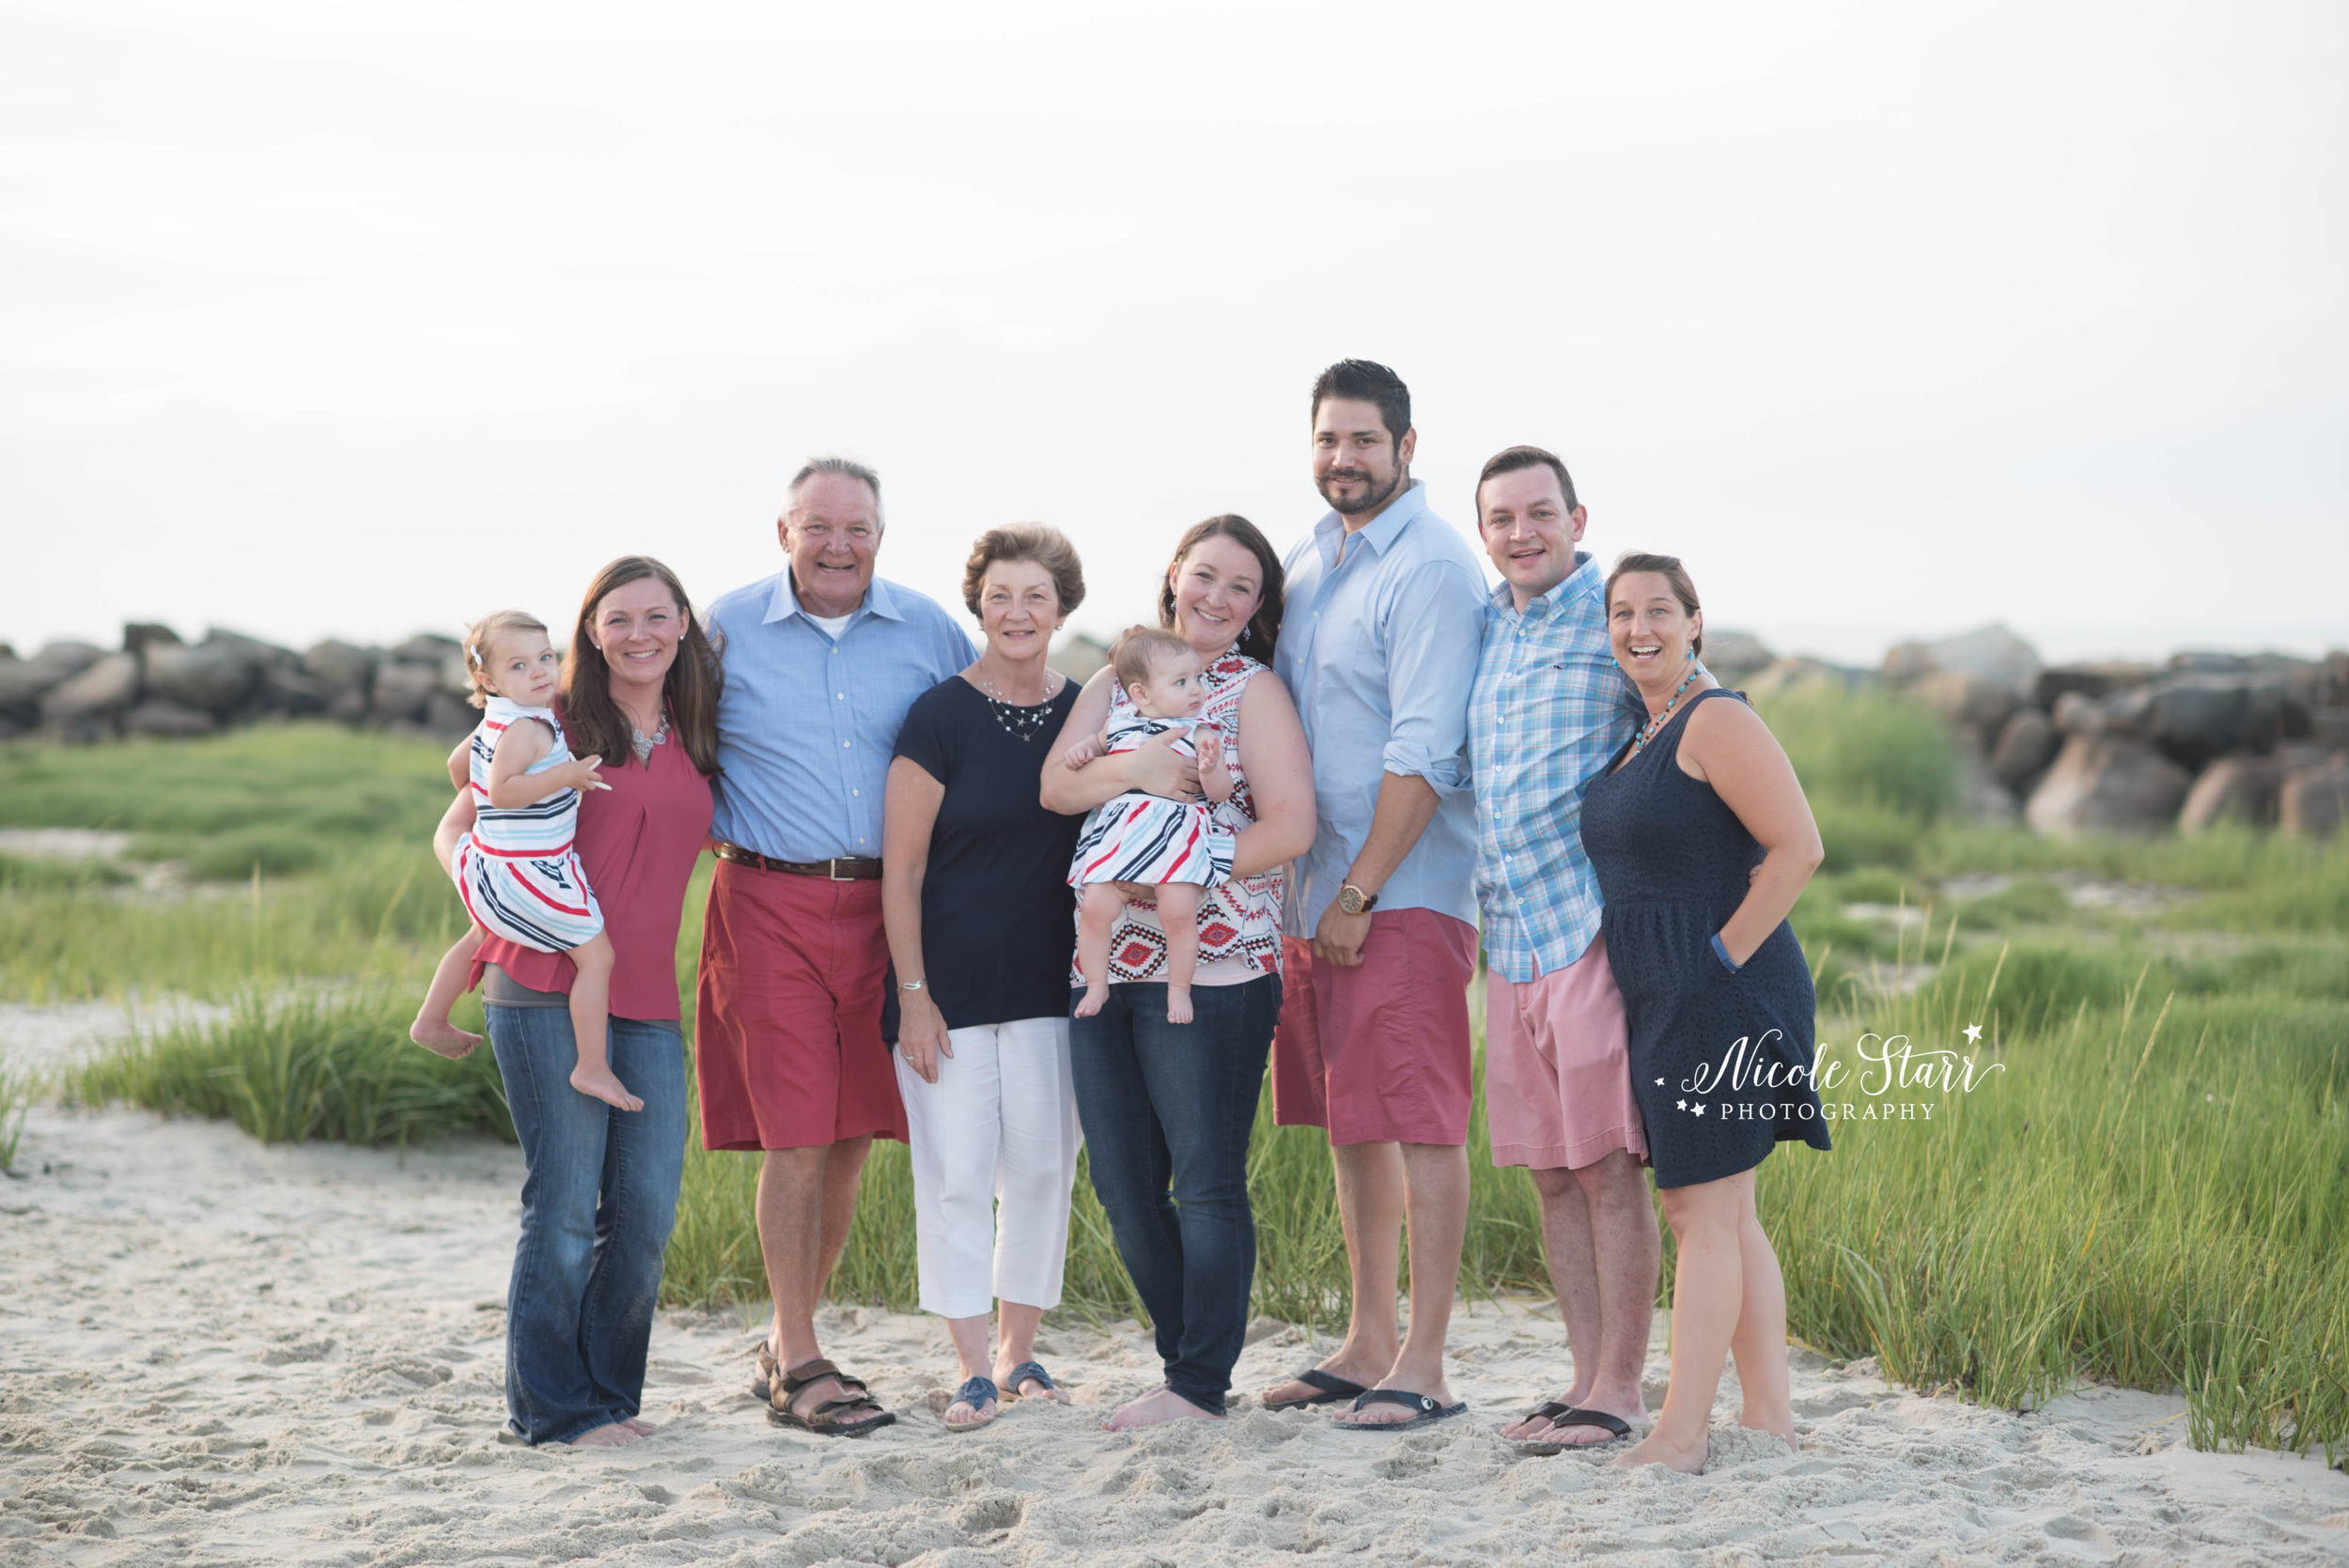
1383, 529
1585, 581
785, 603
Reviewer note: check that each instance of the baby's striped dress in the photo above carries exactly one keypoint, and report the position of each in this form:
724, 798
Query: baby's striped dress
519, 870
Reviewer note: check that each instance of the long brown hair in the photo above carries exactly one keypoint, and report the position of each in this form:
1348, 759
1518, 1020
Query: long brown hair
690, 692
1264, 627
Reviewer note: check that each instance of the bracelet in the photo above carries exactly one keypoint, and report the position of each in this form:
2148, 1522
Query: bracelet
911, 985
1722, 952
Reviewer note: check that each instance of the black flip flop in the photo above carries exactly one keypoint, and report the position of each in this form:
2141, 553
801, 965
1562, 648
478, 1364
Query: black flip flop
1571, 1415
1332, 1386
1428, 1410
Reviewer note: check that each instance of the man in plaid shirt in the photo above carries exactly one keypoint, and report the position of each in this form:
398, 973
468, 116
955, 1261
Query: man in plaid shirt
1549, 710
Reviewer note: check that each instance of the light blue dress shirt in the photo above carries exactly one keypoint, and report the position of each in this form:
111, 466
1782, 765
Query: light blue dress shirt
1551, 707
807, 723
1379, 652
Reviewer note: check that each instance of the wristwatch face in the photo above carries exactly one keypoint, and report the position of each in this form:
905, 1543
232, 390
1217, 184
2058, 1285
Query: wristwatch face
1350, 899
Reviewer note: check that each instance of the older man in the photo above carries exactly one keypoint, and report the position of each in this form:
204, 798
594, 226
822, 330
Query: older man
821, 663
1549, 710
1386, 604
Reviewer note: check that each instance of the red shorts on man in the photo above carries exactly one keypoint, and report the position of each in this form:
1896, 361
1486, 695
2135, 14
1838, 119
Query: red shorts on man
1379, 1052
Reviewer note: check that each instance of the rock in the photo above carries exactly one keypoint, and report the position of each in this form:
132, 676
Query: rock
1799, 674
2026, 743
401, 691
161, 716
1990, 653
2330, 727
450, 717
1732, 656
1960, 698
213, 676
2314, 798
293, 693
2236, 789
262, 656
2195, 717
25, 681
2107, 784
139, 636
341, 665
350, 705
456, 679
100, 691
2088, 680
427, 647
1980, 795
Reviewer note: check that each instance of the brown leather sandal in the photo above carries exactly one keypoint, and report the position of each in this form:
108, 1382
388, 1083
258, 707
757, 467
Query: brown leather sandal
827, 1419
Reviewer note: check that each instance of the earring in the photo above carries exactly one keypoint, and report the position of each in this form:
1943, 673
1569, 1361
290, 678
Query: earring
1244, 632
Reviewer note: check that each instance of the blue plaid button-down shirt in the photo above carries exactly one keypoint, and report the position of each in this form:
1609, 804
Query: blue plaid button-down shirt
1549, 708
807, 723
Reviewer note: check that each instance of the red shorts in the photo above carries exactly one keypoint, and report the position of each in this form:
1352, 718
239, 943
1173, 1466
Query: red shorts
787, 1034
1557, 1072
1379, 1053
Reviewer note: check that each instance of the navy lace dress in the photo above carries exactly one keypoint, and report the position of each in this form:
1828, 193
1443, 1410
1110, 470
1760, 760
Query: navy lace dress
1672, 861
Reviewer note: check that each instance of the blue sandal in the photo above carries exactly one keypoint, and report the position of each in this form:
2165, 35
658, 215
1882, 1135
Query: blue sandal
1026, 1372
975, 1392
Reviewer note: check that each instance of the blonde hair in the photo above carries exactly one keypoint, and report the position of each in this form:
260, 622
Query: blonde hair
1140, 650
477, 647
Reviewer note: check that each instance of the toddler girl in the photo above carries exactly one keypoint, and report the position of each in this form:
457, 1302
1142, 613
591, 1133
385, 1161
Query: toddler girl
1164, 849
516, 868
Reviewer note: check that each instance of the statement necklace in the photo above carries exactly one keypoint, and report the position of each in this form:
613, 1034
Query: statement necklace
644, 743
1022, 723
1666, 712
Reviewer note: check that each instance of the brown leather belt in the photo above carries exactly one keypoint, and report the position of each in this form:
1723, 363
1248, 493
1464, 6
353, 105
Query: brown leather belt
840, 868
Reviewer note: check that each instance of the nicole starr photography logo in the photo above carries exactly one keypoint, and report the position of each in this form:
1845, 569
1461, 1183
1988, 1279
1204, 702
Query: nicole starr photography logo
1889, 1064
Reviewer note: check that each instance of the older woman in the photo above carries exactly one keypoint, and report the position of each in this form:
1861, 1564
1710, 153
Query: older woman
1702, 841
1174, 1103
640, 690
974, 892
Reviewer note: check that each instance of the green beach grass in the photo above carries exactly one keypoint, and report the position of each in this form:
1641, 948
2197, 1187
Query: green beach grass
2151, 1187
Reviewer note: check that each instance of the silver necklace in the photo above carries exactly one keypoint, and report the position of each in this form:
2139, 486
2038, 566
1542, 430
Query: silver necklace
1022, 723
644, 743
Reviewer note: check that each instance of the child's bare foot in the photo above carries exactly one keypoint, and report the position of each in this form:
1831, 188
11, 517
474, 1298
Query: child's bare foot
604, 1085
1178, 1004
443, 1039
1091, 1002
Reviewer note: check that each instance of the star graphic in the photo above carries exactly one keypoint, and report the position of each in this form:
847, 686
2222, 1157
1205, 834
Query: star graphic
1660, 1083
1700, 1111
1973, 1034
1684, 1105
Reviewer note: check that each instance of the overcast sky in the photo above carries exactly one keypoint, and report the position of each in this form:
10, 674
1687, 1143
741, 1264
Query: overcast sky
1890, 319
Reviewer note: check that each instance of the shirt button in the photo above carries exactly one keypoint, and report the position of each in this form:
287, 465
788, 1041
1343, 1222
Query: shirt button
856, 792
843, 745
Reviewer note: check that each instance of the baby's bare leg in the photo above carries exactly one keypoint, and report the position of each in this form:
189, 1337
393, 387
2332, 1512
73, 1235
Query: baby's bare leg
1178, 915
432, 1030
1103, 902
591, 1022
456, 823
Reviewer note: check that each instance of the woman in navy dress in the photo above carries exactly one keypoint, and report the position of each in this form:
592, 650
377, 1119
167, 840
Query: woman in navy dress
1702, 841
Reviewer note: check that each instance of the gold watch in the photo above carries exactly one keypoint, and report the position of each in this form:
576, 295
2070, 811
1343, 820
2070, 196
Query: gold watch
1354, 901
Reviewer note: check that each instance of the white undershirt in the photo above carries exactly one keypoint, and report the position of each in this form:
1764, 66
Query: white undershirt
833, 625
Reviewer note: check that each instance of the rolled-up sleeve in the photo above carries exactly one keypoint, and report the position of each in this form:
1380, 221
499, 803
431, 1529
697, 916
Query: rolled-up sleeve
1434, 630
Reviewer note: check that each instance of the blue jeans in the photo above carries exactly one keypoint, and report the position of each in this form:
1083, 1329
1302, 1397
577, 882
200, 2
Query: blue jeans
1167, 1111
598, 1202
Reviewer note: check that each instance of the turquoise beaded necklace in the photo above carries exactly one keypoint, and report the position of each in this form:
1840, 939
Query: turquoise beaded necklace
1665, 714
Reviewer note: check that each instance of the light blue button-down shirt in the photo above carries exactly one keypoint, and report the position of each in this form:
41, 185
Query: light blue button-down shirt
807, 723
1551, 707
1379, 652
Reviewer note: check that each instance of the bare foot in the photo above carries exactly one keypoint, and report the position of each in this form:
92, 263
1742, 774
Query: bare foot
1178, 1004
1029, 1388
1384, 1414
1366, 1373
604, 1085
1657, 1448
641, 1427
616, 1436
1536, 1429
1091, 1002
1784, 1431
978, 1415
442, 1038
1155, 1409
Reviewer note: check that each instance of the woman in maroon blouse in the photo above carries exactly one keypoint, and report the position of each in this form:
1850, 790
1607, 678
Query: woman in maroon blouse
640, 690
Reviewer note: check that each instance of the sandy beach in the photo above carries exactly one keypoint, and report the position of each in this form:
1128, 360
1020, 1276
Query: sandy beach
215, 1352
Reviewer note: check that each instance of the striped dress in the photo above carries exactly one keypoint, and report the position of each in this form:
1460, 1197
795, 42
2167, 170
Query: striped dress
518, 870
1149, 838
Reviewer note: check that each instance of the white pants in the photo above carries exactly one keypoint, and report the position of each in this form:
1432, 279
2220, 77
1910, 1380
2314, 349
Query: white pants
998, 1128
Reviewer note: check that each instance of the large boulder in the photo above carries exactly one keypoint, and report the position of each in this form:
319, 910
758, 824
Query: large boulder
2026, 744
211, 676
1733, 656
342, 666
100, 691
25, 681
401, 692
1962, 699
2196, 717
1990, 653
2233, 789
163, 716
427, 648
2098, 680
1799, 674
293, 693
2314, 798
2107, 784
139, 636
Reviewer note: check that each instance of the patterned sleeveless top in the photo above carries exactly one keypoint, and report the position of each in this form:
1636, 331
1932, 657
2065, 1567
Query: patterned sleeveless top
1237, 920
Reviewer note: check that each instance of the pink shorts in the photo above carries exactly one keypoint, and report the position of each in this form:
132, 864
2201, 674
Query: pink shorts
1557, 1080
1379, 1053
